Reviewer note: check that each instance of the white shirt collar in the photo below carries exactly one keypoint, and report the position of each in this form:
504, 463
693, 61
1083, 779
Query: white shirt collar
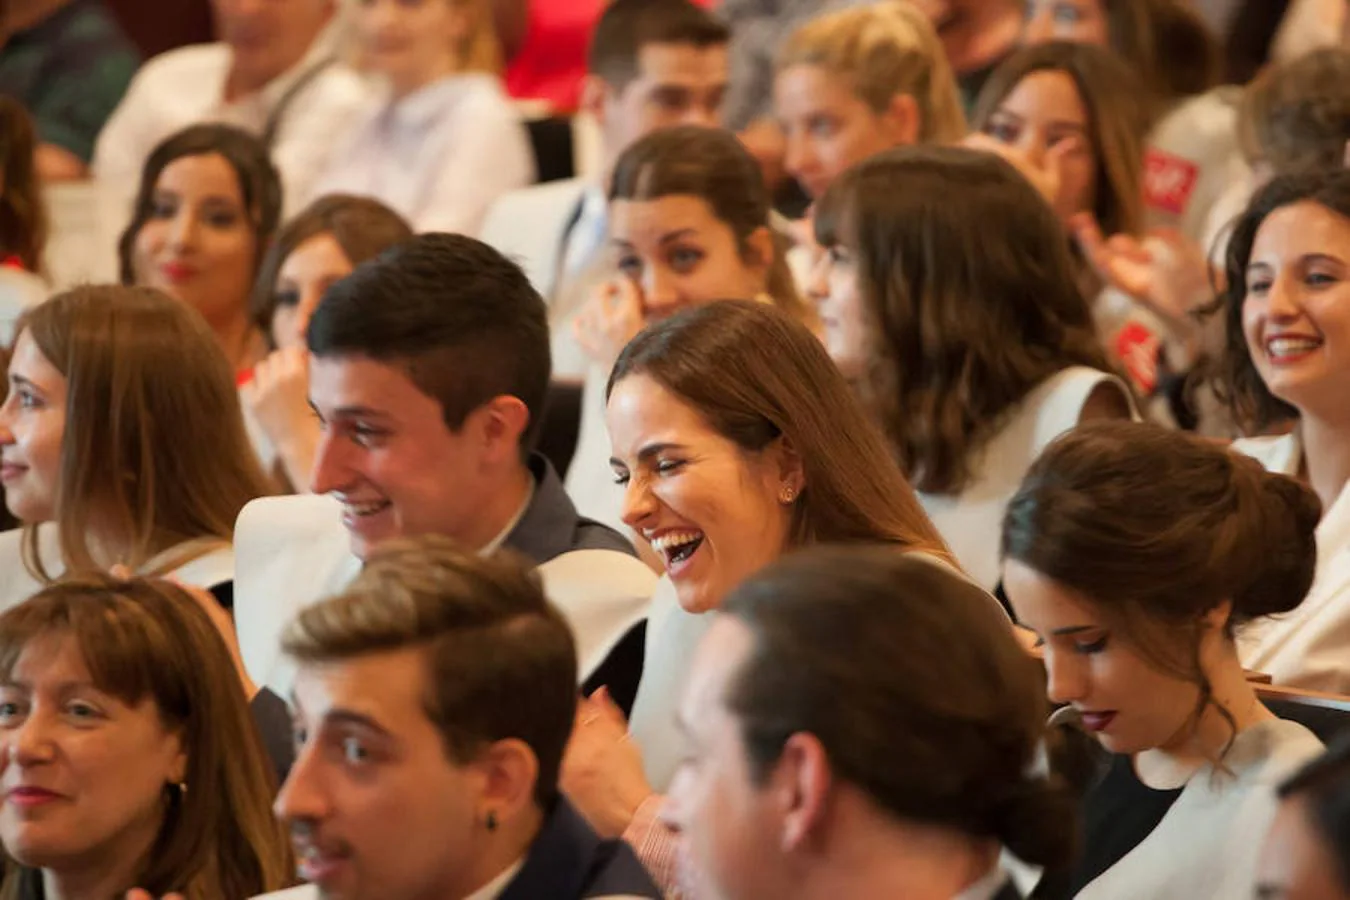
493, 889
987, 887
495, 544
429, 102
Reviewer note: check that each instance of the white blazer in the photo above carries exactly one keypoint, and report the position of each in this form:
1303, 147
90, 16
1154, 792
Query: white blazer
293, 551
1308, 647
971, 522
207, 571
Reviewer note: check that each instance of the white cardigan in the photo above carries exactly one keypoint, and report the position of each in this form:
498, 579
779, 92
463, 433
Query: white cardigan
1310, 646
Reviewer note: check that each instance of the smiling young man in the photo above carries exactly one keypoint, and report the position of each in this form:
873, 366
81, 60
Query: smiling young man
433, 701
429, 368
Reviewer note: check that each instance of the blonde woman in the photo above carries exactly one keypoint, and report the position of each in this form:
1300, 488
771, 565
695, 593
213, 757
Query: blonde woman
855, 82
443, 141
121, 443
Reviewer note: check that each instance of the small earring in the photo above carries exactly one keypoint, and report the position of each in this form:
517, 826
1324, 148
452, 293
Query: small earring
491, 821
788, 494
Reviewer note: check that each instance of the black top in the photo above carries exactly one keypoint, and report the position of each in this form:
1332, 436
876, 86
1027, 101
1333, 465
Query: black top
1117, 814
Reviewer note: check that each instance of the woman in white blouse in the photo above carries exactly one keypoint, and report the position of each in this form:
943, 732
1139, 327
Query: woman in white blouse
1134, 553
443, 141
948, 299
1287, 358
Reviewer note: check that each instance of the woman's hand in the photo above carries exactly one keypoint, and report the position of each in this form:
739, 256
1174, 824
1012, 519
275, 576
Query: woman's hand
1046, 175
609, 320
278, 397
602, 769
1166, 271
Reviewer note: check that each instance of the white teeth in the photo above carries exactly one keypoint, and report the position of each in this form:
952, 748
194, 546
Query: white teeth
365, 509
673, 539
1289, 346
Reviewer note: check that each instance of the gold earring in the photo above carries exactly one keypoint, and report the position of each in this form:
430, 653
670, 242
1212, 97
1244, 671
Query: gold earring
788, 494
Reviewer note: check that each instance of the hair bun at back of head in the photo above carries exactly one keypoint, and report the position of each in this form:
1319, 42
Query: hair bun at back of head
1283, 549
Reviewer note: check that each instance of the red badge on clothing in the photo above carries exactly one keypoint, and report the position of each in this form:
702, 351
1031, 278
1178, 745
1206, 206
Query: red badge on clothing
1137, 349
1169, 181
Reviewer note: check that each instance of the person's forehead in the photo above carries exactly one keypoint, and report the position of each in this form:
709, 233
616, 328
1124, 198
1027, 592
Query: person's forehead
387, 688
352, 380
684, 64
720, 655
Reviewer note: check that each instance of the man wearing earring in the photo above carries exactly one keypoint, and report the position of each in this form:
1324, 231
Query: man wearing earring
433, 699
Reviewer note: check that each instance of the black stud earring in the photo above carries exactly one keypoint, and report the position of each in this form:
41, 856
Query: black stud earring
491, 821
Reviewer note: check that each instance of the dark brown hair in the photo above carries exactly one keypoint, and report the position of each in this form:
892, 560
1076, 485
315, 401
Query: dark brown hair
363, 227
1118, 120
1167, 43
1323, 786
23, 214
1295, 117
970, 299
1239, 384
7, 520
500, 660
626, 26
911, 679
259, 184
756, 375
147, 639
155, 452
461, 319
714, 166
1156, 529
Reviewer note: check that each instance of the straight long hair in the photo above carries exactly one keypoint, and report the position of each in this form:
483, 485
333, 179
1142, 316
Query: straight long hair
155, 453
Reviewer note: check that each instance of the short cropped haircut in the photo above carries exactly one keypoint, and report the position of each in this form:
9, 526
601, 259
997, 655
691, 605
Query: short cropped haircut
1295, 117
461, 319
629, 25
500, 660
1324, 787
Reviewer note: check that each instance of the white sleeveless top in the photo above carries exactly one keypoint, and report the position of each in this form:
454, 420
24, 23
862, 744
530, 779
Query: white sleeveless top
971, 522
1308, 647
208, 570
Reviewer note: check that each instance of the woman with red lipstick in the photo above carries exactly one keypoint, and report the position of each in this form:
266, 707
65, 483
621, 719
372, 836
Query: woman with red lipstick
208, 204
736, 440
127, 754
1286, 315
1136, 555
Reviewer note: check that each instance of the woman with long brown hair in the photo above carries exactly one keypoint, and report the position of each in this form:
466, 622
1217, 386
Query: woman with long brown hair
121, 442
23, 217
130, 759
970, 368
689, 224
736, 441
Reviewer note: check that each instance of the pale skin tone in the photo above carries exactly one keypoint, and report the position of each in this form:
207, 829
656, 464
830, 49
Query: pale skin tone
266, 39
1132, 707
199, 245
681, 479
673, 253
412, 42
1298, 332
278, 393
1297, 861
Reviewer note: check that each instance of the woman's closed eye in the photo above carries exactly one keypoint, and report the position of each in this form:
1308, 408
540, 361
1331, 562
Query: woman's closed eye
1090, 646
1003, 131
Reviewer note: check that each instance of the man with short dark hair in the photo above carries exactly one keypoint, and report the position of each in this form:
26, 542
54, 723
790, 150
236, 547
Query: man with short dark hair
433, 701
428, 374
652, 64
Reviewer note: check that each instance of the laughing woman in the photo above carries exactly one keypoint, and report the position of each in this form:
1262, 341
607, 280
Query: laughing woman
1135, 554
736, 440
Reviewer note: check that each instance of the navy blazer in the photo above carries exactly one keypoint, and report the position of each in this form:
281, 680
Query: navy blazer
569, 861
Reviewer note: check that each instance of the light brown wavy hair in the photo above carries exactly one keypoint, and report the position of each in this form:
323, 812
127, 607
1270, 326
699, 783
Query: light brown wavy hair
968, 293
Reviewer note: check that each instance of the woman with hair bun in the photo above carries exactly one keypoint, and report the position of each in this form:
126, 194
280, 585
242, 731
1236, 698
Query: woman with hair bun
1135, 554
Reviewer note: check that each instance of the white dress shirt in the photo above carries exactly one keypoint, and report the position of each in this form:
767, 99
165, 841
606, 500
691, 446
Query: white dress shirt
187, 86
439, 156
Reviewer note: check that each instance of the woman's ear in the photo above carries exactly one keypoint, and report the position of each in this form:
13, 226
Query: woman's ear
759, 252
902, 120
788, 471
